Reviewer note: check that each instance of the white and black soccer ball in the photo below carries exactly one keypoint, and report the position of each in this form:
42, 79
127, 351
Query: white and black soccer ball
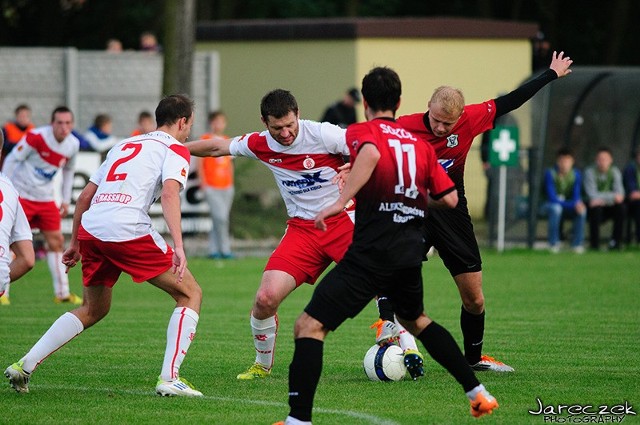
384, 363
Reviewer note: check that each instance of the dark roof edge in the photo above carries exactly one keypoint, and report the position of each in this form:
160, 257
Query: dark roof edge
352, 28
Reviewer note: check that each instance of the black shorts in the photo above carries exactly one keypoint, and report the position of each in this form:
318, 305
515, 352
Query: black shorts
450, 231
347, 289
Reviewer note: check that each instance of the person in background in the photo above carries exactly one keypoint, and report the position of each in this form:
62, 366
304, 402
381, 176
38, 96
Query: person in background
17, 256
146, 124
113, 46
343, 112
149, 43
562, 189
98, 137
631, 179
32, 166
15, 130
216, 181
605, 196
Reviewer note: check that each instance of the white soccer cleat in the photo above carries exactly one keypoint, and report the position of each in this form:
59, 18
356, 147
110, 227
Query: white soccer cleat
177, 387
388, 333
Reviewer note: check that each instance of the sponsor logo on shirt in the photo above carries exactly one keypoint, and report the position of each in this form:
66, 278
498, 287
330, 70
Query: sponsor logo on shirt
446, 164
275, 160
307, 180
452, 141
47, 176
121, 198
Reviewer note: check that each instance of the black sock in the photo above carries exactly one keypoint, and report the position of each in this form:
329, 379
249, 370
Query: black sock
443, 348
304, 374
472, 326
385, 309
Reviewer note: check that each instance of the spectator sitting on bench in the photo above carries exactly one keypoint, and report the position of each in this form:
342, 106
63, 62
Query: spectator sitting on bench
562, 190
605, 194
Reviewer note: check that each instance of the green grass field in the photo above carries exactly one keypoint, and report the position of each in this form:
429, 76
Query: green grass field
570, 325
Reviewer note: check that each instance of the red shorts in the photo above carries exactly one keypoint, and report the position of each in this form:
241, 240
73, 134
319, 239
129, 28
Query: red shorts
42, 215
102, 262
305, 252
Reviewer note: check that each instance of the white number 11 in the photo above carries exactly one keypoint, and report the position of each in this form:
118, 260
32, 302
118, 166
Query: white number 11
409, 150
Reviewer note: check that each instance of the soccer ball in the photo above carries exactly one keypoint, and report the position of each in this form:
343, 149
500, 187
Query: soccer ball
384, 363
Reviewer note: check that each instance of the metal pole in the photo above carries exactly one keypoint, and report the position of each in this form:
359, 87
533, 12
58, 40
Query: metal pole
502, 195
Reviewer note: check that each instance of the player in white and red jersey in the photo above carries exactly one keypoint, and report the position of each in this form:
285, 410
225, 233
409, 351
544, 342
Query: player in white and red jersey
303, 157
31, 166
394, 176
15, 235
111, 221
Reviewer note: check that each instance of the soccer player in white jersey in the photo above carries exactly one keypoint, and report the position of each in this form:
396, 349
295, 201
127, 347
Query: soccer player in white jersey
31, 166
303, 157
16, 250
110, 222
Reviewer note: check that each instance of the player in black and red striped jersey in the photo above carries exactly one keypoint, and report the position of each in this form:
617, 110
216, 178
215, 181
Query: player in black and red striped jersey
450, 127
394, 177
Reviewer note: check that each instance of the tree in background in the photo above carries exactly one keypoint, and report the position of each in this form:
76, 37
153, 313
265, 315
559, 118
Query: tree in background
593, 33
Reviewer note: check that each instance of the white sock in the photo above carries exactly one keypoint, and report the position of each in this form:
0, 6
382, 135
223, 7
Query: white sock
264, 339
407, 341
294, 421
62, 331
474, 392
60, 278
180, 333
6, 290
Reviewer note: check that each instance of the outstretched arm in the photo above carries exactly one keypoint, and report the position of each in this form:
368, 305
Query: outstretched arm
560, 67
216, 146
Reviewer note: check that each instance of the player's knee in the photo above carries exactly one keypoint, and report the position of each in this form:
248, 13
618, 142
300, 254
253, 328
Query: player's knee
91, 314
55, 242
266, 301
474, 304
308, 327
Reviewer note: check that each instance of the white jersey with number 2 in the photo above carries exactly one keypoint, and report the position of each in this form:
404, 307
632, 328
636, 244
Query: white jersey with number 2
130, 181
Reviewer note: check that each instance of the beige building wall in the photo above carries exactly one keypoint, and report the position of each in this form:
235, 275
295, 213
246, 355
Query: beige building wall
318, 72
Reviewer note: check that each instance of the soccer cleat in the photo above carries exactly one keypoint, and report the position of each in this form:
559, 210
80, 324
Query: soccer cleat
72, 298
483, 404
177, 387
489, 363
18, 378
279, 423
255, 371
387, 332
414, 361
4, 300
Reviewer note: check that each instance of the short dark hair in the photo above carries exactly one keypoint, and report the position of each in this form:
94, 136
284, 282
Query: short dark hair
381, 89
60, 109
21, 107
604, 149
564, 151
172, 108
278, 103
215, 114
101, 119
144, 115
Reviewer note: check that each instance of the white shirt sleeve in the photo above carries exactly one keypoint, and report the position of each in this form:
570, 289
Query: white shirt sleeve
333, 138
